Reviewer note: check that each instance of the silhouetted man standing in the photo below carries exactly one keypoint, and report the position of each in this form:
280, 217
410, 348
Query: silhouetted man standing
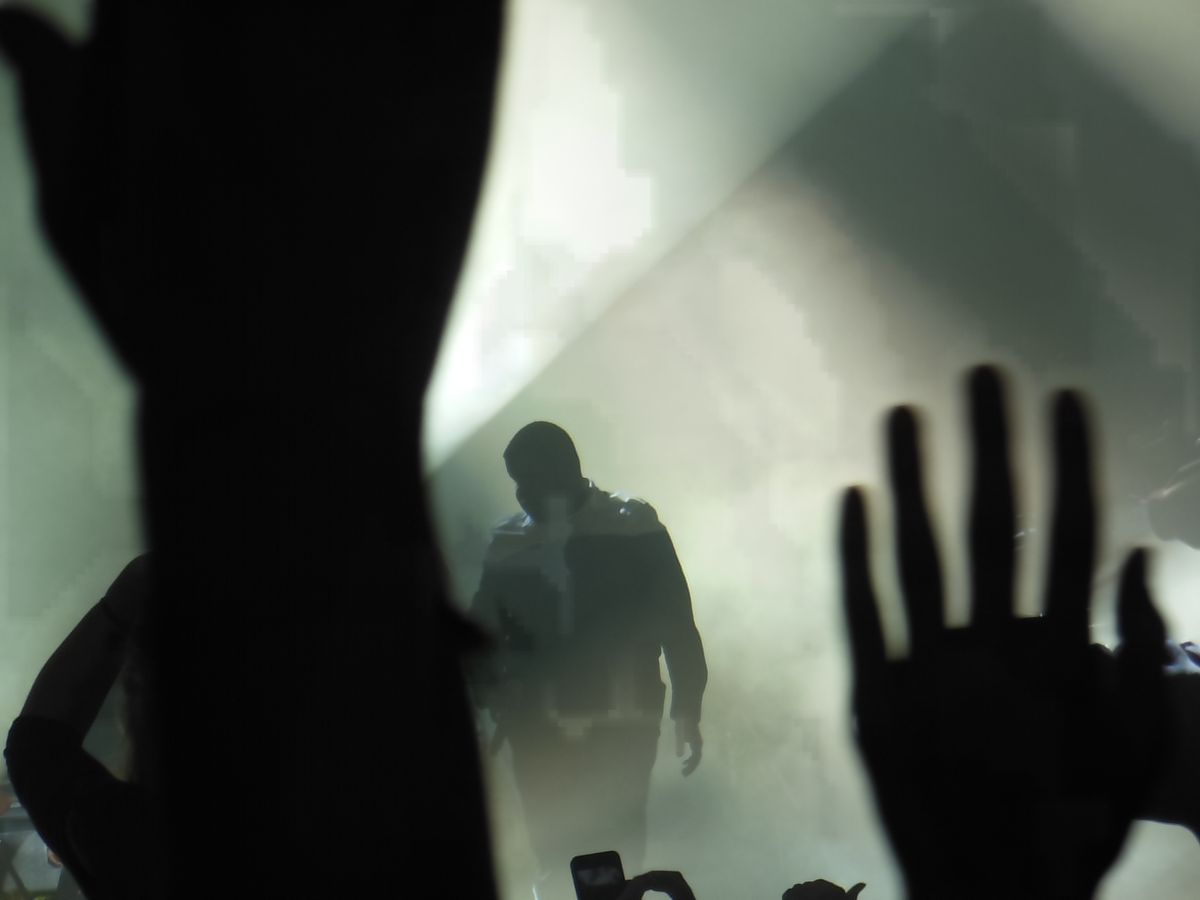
583, 591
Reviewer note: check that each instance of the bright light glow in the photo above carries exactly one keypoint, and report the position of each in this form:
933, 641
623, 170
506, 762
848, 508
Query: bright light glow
620, 126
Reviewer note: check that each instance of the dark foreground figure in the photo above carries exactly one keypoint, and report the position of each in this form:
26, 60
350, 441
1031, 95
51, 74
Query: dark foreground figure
99, 826
584, 592
264, 206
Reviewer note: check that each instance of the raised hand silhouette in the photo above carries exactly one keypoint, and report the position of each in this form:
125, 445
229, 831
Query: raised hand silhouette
265, 206
201, 169
822, 890
673, 884
119, 170
70, 101
1008, 758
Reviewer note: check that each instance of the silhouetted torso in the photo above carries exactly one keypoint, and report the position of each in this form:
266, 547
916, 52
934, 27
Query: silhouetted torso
582, 609
584, 615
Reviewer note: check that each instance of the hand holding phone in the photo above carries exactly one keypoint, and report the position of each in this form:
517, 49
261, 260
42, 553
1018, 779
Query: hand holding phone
598, 876
670, 883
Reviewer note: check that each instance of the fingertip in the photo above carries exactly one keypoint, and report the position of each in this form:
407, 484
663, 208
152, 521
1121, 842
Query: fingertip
853, 512
987, 410
903, 453
986, 379
1068, 410
900, 418
1133, 574
853, 505
1139, 620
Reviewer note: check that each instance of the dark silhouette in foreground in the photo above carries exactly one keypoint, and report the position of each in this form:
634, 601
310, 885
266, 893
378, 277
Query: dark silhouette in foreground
1175, 799
100, 827
600, 876
68, 887
1173, 512
821, 890
583, 592
1008, 758
264, 206
673, 884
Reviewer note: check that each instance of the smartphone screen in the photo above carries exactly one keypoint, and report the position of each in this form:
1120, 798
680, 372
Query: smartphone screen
598, 876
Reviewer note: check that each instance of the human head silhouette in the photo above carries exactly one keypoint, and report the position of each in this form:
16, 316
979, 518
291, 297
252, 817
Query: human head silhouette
542, 460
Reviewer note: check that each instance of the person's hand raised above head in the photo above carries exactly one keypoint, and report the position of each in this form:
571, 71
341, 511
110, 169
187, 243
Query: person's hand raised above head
1007, 758
201, 167
78, 115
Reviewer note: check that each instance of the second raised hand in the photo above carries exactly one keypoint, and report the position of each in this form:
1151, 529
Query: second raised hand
1008, 758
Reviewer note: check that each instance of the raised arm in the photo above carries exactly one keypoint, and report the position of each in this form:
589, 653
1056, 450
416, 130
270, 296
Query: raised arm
95, 823
72, 685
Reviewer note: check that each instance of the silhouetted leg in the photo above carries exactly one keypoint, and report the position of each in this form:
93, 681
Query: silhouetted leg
584, 795
621, 760
546, 768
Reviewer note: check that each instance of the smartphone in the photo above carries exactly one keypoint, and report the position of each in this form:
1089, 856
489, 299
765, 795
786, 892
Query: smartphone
598, 876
